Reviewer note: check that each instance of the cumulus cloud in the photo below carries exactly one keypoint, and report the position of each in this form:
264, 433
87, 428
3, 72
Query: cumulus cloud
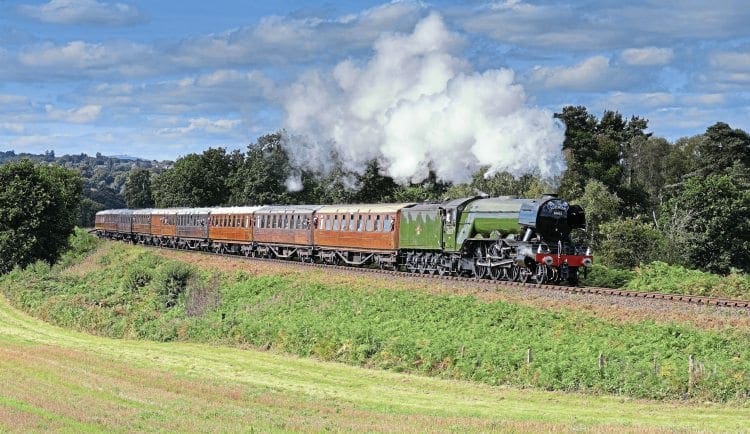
76, 58
215, 93
736, 61
84, 12
647, 56
8, 99
283, 40
650, 99
415, 106
589, 26
216, 126
707, 99
80, 115
12, 127
589, 74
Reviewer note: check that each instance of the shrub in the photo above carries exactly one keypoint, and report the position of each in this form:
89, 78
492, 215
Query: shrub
172, 278
607, 277
137, 278
675, 279
628, 243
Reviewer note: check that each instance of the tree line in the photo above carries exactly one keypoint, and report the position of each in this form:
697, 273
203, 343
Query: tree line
646, 199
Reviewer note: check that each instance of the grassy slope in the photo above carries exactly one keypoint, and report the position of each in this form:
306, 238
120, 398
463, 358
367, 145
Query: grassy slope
443, 335
58, 379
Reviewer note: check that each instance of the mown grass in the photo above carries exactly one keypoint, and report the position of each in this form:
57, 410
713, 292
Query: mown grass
56, 379
135, 293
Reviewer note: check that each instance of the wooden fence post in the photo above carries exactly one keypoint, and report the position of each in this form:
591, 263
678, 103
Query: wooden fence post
691, 371
528, 356
601, 361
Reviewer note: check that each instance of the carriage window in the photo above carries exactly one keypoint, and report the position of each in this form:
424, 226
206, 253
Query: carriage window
368, 227
388, 224
328, 222
344, 223
297, 223
335, 223
360, 223
377, 223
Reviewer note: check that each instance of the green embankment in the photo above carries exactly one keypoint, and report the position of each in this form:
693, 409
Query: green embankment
132, 292
55, 379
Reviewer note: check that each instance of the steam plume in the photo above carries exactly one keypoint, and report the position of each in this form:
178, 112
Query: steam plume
416, 106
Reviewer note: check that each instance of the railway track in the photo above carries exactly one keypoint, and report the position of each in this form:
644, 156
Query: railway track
490, 285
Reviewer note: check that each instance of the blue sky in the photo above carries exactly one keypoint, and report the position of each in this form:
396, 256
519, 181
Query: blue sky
160, 79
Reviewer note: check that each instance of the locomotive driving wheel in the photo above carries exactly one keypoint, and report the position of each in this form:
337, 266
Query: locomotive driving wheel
540, 274
499, 273
523, 274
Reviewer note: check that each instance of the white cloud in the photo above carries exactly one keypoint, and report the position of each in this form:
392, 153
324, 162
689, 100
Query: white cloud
652, 99
734, 61
284, 40
647, 56
7, 99
217, 126
707, 99
84, 12
81, 115
589, 74
586, 26
76, 58
12, 127
215, 93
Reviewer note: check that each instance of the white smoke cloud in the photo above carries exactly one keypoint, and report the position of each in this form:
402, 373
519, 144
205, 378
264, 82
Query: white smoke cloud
294, 183
415, 106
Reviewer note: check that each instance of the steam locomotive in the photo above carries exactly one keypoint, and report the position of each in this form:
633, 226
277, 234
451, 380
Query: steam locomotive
499, 238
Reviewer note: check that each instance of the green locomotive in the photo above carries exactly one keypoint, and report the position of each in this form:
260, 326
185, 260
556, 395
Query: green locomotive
501, 238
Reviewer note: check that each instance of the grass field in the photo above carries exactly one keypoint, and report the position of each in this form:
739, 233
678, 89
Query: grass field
121, 291
54, 379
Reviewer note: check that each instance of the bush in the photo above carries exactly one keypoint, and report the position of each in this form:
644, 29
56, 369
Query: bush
172, 278
137, 278
675, 279
630, 242
607, 277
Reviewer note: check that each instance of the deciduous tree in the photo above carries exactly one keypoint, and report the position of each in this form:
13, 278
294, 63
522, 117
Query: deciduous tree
38, 210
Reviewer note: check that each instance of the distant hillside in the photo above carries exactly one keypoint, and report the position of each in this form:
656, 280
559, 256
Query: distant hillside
104, 177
